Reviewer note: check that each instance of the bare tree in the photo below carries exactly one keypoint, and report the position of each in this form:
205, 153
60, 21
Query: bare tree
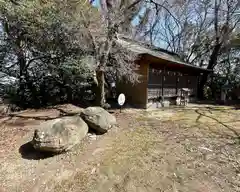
116, 18
198, 30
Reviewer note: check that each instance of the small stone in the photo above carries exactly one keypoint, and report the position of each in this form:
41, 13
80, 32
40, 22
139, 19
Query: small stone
93, 171
93, 137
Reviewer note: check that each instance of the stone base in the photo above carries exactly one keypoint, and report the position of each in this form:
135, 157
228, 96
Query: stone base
155, 105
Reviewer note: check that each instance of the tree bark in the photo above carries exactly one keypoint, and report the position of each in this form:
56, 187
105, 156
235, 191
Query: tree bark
22, 63
26, 82
214, 56
211, 64
100, 92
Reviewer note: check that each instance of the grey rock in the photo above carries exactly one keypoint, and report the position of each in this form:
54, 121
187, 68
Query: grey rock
92, 136
4, 109
165, 103
59, 135
69, 109
98, 119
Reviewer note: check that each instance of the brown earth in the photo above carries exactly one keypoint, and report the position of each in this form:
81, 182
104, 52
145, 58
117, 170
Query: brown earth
179, 150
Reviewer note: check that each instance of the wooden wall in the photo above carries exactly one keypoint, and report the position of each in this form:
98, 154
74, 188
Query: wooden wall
173, 80
150, 86
136, 95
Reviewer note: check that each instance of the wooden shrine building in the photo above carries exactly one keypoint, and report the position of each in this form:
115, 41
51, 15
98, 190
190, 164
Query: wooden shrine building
163, 75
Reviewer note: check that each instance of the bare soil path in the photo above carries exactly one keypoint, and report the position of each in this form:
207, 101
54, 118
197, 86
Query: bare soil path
177, 150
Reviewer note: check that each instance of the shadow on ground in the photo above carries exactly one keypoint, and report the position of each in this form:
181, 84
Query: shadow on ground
235, 133
28, 152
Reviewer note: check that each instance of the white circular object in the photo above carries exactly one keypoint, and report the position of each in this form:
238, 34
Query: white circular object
121, 99
113, 84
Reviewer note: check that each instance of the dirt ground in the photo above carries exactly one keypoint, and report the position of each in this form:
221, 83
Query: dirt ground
194, 149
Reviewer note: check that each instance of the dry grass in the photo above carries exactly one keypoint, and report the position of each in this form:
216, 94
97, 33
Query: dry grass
173, 150
177, 150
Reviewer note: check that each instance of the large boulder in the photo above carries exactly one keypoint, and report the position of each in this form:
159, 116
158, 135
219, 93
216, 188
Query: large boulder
59, 135
69, 109
4, 109
98, 119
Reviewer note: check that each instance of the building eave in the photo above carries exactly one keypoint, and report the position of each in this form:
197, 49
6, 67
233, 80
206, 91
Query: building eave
141, 50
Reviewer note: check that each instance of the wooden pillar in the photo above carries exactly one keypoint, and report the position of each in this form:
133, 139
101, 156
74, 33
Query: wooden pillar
176, 83
163, 79
186, 80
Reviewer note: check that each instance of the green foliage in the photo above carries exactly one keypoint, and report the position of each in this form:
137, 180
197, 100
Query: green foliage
45, 47
71, 81
235, 43
57, 50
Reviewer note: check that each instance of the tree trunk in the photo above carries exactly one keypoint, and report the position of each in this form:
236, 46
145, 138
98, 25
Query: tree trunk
22, 62
100, 92
211, 64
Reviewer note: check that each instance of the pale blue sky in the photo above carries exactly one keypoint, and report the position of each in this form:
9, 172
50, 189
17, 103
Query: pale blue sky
96, 3
135, 22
